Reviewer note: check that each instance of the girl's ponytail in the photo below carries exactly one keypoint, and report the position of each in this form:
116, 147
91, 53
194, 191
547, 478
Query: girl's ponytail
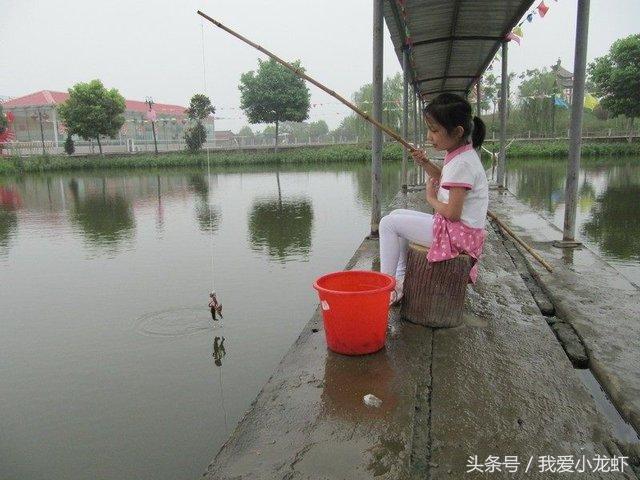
479, 132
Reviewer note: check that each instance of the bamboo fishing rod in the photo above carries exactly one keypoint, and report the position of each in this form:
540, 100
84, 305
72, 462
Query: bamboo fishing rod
368, 118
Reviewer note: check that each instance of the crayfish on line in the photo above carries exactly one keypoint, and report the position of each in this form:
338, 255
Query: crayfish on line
215, 306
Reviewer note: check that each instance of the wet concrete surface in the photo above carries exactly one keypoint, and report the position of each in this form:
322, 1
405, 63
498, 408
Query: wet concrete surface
310, 421
500, 384
600, 304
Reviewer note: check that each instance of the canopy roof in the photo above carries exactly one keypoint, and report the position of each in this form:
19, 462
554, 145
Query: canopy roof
452, 41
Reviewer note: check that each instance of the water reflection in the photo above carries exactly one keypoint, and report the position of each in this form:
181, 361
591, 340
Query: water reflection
8, 227
9, 202
614, 222
218, 351
208, 216
105, 219
390, 184
607, 197
540, 184
281, 227
218, 354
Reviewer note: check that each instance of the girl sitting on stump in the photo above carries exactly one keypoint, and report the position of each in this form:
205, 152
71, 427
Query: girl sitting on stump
459, 195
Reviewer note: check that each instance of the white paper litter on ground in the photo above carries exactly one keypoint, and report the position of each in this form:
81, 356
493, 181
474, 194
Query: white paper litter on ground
371, 400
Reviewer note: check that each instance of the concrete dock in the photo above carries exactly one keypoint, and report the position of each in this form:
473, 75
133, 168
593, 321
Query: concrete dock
497, 396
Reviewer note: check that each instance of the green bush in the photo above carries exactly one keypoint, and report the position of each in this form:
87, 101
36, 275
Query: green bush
69, 147
561, 149
195, 136
329, 154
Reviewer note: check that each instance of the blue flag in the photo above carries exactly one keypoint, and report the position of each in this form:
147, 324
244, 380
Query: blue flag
560, 102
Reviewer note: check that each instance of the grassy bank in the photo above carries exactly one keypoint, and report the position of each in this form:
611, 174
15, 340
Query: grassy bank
314, 155
329, 154
561, 149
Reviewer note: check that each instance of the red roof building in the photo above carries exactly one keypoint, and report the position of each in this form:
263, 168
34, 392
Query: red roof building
49, 98
34, 118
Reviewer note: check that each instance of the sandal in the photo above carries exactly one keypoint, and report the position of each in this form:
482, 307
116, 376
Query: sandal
397, 293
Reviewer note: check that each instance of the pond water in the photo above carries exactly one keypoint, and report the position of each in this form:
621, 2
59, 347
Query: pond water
607, 220
111, 366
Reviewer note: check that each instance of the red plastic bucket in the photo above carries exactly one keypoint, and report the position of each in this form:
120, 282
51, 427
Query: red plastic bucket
355, 310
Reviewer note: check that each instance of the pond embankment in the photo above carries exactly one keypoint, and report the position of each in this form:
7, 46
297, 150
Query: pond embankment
499, 385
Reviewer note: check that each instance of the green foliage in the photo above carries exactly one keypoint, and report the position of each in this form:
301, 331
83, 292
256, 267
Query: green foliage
299, 130
3, 120
92, 110
245, 131
200, 107
69, 146
557, 149
330, 154
536, 99
616, 77
195, 136
319, 128
355, 126
274, 94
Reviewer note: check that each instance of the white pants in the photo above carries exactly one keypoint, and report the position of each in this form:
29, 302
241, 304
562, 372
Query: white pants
396, 231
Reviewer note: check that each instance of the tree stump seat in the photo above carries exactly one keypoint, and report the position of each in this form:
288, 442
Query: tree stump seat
434, 292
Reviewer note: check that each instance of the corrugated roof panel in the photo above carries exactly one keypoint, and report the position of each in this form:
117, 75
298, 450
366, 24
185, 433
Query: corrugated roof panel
452, 40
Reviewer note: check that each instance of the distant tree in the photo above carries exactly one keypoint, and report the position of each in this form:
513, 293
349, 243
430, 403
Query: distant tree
195, 136
69, 146
274, 94
536, 99
319, 128
92, 110
200, 108
295, 129
246, 131
356, 126
269, 131
4, 123
616, 78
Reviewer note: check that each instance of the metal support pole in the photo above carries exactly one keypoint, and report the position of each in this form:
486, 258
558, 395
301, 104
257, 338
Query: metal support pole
405, 114
423, 126
502, 157
416, 116
573, 167
376, 137
478, 109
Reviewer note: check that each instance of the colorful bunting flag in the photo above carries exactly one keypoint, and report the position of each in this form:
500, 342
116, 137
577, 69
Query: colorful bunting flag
542, 8
518, 31
559, 102
590, 102
513, 36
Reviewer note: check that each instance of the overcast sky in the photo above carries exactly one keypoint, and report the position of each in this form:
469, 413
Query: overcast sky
154, 47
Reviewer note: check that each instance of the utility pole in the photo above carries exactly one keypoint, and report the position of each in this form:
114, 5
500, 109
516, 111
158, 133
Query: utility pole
151, 116
44, 152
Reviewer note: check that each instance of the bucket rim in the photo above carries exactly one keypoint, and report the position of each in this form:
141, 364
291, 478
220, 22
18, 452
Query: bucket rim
391, 286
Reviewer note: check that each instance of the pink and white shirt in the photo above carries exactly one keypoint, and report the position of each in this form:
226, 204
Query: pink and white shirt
462, 168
